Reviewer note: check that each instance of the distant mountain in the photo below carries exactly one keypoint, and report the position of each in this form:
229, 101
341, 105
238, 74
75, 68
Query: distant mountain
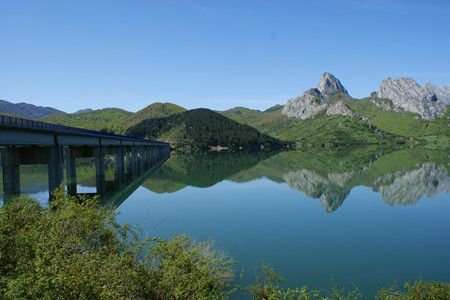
328, 116
25, 110
203, 129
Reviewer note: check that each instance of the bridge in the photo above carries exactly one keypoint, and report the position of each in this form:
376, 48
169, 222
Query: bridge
26, 142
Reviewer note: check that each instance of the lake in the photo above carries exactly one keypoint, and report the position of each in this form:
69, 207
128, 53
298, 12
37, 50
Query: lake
362, 217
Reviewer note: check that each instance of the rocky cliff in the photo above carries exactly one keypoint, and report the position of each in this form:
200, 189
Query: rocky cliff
340, 109
309, 104
407, 94
442, 92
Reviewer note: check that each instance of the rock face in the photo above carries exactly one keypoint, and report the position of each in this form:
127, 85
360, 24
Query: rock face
407, 94
313, 101
330, 86
442, 92
340, 109
309, 104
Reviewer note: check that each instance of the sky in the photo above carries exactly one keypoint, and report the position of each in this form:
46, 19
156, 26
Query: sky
217, 54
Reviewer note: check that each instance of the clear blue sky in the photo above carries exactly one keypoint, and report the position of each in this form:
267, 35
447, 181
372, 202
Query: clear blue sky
216, 54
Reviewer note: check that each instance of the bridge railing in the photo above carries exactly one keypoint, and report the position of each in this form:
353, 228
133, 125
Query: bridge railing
15, 122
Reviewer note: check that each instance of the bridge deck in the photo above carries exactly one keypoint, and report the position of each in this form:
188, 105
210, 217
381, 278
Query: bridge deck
18, 131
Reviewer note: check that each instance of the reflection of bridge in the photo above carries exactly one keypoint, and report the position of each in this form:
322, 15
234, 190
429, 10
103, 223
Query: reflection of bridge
31, 142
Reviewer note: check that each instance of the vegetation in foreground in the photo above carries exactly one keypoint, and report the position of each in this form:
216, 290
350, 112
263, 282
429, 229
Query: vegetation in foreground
74, 249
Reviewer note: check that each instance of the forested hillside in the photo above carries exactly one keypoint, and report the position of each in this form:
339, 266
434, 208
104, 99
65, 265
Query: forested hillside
202, 129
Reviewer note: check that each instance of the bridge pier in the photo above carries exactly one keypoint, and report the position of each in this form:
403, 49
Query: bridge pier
141, 159
11, 171
71, 169
55, 169
100, 170
119, 165
134, 161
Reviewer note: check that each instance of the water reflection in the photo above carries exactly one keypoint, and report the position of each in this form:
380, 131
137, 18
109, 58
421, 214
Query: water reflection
401, 177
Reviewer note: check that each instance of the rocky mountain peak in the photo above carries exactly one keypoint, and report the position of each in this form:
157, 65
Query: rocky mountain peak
407, 94
330, 85
306, 106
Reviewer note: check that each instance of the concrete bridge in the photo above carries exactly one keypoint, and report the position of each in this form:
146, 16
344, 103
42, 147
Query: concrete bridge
25, 142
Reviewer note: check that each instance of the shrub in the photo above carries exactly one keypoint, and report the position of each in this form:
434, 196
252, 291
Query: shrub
419, 290
74, 249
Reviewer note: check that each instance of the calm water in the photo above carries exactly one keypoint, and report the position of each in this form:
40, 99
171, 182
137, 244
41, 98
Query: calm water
364, 217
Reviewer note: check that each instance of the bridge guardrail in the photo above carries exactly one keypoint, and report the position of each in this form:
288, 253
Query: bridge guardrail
15, 122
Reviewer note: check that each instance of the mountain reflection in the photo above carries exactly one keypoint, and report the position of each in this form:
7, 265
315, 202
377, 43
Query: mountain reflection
407, 187
401, 177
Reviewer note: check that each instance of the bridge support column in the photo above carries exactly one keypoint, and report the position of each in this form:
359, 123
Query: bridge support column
127, 157
11, 172
71, 170
55, 169
148, 156
134, 160
119, 165
100, 170
141, 159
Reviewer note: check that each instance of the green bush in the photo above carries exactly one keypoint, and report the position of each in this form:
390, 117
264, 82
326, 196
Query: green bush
419, 290
75, 250
268, 287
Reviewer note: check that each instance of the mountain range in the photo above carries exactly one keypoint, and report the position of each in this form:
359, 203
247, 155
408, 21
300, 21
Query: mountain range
26, 110
400, 112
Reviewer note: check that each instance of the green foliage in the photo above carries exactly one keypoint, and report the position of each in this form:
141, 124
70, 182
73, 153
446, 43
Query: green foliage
268, 287
113, 119
75, 250
108, 119
200, 129
155, 110
419, 290
321, 131
184, 270
403, 124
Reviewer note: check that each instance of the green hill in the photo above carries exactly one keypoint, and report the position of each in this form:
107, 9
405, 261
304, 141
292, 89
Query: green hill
114, 119
108, 119
322, 131
404, 124
155, 110
201, 129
